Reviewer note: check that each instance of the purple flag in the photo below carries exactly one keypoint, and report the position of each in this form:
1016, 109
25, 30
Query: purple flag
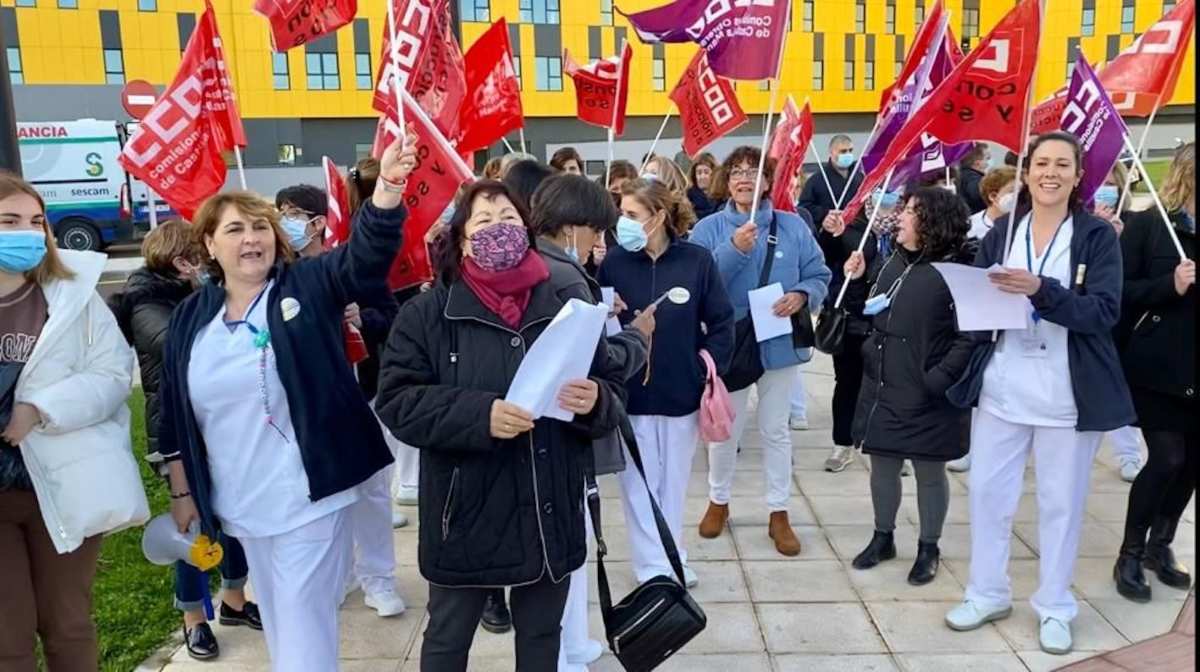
743, 38
930, 155
1091, 117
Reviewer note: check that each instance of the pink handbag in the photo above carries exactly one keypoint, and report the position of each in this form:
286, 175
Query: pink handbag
716, 408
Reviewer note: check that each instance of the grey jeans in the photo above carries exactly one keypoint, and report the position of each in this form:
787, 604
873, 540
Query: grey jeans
933, 494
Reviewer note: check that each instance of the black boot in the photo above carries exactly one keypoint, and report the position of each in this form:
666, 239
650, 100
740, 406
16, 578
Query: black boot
926, 566
1161, 559
1131, 580
200, 641
496, 617
882, 547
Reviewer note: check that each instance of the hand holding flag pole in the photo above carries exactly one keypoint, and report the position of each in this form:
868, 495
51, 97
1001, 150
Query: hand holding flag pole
1162, 210
394, 47
862, 242
774, 84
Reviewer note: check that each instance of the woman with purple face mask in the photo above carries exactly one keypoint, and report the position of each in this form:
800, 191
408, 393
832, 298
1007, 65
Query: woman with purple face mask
500, 490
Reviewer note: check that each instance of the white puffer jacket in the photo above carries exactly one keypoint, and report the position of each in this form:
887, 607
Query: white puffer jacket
79, 376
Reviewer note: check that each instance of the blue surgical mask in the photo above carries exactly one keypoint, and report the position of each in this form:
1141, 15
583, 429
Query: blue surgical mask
887, 199
1107, 195
845, 161
296, 230
21, 251
877, 304
631, 235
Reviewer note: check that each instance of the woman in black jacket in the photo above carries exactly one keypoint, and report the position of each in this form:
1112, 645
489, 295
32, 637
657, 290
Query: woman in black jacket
500, 495
1159, 358
701, 175
143, 310
913, 355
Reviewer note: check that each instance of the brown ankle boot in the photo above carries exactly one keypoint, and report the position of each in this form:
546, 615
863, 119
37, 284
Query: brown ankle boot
714, 520
781, 531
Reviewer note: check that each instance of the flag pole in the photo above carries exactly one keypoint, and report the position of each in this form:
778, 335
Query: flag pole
523, 150
237, 154
1025, 122
821, 167
857, 164
1141, 148
657, 137
612, 126
774, 84
455, 157
394, 48
862, 242
1157, 201
508, 146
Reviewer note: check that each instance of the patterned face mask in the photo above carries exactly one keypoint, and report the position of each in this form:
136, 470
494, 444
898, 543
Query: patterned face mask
499, 247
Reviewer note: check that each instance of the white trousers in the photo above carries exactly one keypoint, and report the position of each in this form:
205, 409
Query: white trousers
667, 446
408, 464
575, 615
774, 402
298, 584
371, 522
799, 397
1063, 464
1126, 443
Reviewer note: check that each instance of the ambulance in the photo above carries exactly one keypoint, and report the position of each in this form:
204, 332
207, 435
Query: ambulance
91, 201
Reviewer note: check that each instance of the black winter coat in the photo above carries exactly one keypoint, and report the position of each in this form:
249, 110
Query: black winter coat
816, 198
837, 250
1159, 349
913, 355
143, 311
968, 189
701, 202
493, 512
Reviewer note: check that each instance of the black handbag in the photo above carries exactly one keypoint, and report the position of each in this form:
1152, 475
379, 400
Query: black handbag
831, 330
745, 367
659, 617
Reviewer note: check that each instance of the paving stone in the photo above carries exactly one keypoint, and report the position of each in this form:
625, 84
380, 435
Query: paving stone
1040, 661
835, 629
1090, 631
957, 662
889, 581
815, 581
918, 627
1097, 539
835, 663
732, 628
1093, 579
1138, 622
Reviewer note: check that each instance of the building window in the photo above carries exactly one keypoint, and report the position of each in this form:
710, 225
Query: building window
362, 72
860, 16
147, 5
322, 71
970, 23
606, 12
807, 24
889, 19
818, 81
26, 3
114, 67
848, 80
899, 65
869, 75
764, 85
1089, 22
539, 11
68, 4
475, 10
1128, 14
549, 73
16, 73
185, 23
517, 70
279, 71
1168, 5
1072, 55
919, 14
658, 75
287, 155
362, 150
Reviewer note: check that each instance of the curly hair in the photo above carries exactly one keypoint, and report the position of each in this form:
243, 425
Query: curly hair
669, 173
995, 180
942, 222
743, 154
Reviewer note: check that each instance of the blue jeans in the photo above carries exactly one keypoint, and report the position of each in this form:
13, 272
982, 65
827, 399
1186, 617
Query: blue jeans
191, 584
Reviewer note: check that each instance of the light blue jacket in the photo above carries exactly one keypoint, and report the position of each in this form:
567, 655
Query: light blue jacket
799, 266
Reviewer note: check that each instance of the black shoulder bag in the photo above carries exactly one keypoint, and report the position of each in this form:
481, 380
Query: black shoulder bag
659, 617
745, 367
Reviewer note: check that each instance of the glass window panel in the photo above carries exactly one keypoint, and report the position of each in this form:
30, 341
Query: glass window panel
147, 5
281, 83
68, 4
329, 63
332, 83
26, 3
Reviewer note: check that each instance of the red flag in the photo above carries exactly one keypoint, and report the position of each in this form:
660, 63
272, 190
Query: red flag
601, 89
294, 22
781, 137
431, 187
177, 147
916, 52
337, 211
493, 105
428, 63
792, 138
985, 97
708, 105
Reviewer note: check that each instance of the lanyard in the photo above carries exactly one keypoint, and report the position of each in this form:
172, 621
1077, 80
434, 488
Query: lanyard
261, 337
1037, 317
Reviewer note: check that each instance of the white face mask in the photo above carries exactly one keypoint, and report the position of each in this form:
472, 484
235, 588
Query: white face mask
1007, 202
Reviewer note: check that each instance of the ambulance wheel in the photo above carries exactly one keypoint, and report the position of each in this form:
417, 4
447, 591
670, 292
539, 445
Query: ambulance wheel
78, 234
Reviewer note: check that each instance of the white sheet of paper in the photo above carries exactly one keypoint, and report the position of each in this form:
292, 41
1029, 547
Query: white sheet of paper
980, 305
613, 326
766, 324
563, 352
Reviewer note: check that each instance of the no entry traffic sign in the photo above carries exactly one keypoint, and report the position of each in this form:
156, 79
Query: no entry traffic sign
137, 97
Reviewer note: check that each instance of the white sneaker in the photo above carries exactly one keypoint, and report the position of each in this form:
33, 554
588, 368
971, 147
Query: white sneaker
1055, 636
386, 602
960, 465
969, 616
398, 520
1130, 469
689, 577
590, 653
839, 459
406, 496
797, 424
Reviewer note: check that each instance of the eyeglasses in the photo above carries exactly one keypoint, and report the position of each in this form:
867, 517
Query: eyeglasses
743, 173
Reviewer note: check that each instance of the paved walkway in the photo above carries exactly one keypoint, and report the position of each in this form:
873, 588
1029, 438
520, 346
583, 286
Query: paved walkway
767, 613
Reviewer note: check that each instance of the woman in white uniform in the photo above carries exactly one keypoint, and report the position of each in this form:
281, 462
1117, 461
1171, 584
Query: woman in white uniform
266, 440
1051, 389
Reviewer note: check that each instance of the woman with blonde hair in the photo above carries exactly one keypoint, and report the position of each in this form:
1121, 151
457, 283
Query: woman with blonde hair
67, 472
668, 172
264, 429
1159, 359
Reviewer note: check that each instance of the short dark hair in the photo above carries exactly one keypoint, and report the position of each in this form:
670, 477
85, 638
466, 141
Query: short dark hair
448, 253
744, 154
942, 221
571, 200
840, 138
563, 155
304, 196
524, 177
973, 155
619, 168
1010, 159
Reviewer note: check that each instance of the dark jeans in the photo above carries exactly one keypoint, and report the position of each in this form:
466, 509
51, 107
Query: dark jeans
847, 374
1163, 487
537, 611
191, 584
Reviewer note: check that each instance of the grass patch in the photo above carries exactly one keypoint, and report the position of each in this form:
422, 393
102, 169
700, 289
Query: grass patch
132, 600
1157, 170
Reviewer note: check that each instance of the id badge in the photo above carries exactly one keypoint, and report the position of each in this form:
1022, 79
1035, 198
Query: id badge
1032, 344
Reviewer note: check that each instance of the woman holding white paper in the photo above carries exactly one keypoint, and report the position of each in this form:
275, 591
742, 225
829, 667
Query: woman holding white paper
912, 356
500, 500
1051, 389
